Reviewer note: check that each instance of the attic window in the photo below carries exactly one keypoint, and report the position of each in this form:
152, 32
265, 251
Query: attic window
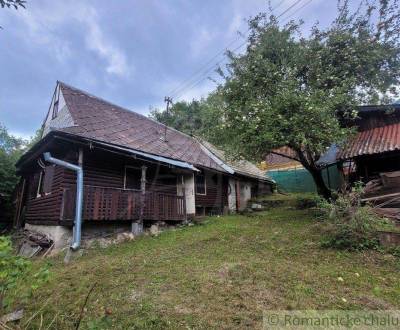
55, 109
55, 106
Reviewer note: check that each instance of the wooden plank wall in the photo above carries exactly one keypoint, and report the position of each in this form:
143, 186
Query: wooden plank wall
44, 209
216, 192
101, 169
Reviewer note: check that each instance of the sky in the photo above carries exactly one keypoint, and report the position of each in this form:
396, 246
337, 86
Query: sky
130, 52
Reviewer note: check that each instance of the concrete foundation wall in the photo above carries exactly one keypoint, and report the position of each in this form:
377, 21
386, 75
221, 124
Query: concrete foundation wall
62, 236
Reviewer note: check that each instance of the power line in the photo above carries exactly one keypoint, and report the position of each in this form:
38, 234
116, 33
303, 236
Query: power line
195, 82
176, 89
203, 77
298, 9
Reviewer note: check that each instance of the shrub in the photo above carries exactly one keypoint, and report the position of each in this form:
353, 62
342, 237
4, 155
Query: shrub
348, 224
13, 270
307, 201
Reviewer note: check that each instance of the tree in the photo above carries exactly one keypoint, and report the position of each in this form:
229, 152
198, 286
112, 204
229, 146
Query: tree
183, 116
12, 4
199, 118
292, 90
11, 148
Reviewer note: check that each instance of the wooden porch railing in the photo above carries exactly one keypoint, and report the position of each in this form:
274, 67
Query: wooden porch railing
101, 203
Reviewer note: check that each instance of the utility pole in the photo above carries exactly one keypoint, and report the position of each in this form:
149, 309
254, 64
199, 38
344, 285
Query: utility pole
168, 100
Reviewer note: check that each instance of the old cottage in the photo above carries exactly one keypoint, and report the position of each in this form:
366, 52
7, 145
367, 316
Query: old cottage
372, 154
135, 170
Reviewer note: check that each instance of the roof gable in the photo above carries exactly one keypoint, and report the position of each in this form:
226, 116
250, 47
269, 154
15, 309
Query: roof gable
62, 119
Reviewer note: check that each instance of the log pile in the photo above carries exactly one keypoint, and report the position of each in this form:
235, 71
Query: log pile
383, 194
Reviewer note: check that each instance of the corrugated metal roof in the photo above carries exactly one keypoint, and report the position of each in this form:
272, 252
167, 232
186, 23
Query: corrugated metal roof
372, 141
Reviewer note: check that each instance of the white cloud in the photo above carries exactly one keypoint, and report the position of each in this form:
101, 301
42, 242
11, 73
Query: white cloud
45, 22
97, 42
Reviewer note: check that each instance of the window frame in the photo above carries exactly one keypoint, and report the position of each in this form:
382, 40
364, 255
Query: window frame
46, 169
40, 184
134, 167
55, 109
205, 184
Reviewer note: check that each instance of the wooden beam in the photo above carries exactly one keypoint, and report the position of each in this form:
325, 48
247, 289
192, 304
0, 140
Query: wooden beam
142, 194
375, 198
20, 194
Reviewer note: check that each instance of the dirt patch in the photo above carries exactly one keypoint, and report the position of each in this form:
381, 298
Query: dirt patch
371, 302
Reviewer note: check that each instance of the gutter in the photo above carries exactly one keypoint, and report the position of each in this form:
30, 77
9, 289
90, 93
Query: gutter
76, 241
161, 159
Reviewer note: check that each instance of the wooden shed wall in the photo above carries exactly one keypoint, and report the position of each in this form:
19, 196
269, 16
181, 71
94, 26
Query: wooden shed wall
216, 191
44, 209
101, 169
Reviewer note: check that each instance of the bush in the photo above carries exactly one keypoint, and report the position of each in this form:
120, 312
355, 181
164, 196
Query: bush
307, 201
13, 270
348, 224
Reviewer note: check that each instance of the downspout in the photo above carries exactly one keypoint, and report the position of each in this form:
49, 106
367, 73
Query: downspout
76, 242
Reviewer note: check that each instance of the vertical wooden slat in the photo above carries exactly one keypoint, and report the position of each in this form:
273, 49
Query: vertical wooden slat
97, 204
130, 206
117, 204
114, 204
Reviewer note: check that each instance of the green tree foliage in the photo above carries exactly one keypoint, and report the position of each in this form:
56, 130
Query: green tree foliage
12, 4
183, 116
199, 118
11, 148
292, 89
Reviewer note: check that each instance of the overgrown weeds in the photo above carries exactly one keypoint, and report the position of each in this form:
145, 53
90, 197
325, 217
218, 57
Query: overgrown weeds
348, 224
15, 270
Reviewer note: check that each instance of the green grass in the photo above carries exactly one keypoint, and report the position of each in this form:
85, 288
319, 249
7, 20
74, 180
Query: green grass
221, 274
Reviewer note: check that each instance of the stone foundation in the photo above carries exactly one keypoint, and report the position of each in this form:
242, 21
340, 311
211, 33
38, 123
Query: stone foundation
104, 233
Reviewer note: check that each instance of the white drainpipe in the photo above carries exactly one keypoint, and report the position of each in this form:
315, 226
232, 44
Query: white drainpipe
79, 197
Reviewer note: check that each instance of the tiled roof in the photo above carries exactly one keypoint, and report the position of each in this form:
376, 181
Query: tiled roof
239, 166
98, 119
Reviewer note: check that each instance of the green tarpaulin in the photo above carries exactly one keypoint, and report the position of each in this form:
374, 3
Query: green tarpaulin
300, 180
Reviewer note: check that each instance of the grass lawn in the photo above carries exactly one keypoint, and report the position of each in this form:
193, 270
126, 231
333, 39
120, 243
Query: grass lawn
221, 274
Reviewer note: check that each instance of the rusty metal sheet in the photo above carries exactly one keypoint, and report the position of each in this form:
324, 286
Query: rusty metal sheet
372, 141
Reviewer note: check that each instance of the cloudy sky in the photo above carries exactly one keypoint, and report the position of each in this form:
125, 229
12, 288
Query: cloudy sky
131, 52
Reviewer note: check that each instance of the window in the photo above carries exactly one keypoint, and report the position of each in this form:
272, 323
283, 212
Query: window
132, 179
55, 110
200, 184
45, 181
39, 190
55, 105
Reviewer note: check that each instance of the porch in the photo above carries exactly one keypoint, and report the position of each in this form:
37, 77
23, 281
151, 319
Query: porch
110, 204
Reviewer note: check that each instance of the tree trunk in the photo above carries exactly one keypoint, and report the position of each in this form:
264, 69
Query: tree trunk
308, 159
322, 189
